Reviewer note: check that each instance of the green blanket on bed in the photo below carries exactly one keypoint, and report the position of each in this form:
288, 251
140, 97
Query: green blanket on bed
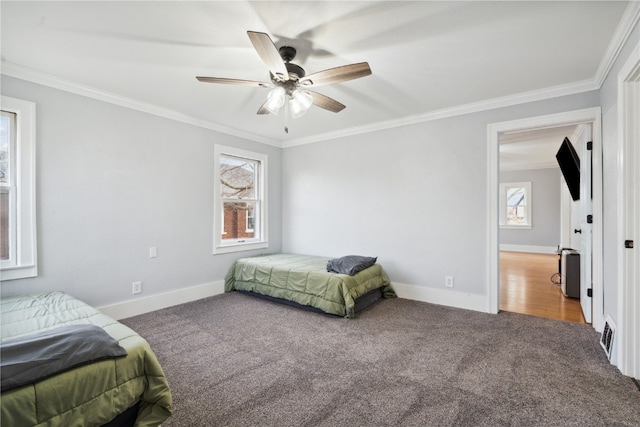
89, 395
304, 279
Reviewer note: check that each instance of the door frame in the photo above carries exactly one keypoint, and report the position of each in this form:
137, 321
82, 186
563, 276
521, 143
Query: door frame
591, 116
628, 339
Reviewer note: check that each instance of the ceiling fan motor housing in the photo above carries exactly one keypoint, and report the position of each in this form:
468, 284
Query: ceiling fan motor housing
287, 53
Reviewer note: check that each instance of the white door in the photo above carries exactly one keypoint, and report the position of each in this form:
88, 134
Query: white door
585, 223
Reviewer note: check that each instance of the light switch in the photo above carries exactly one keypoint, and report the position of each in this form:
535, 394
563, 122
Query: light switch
153, 252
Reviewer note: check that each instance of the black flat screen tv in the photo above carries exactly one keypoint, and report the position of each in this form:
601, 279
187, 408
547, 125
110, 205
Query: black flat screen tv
569, 163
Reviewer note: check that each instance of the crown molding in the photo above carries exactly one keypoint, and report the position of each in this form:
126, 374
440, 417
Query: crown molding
475, 107
629, 19
529, 166
627, 23
28, 74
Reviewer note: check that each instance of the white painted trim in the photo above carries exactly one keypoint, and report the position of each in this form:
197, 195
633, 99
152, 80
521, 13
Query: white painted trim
626, 25
529, 249
139, 306
26, 239
490, 104
23, 73
588, 115
628, 268
262, 240
449, 298
531, 166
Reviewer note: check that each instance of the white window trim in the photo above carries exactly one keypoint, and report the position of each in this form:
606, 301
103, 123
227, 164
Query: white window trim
258, 242
26, 247
503, 205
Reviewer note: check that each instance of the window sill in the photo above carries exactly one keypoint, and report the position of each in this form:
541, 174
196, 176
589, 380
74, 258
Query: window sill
239, 247
20, 272
516, 227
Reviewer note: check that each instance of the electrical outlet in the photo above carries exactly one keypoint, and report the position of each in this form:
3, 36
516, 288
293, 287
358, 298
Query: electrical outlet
136, 288
448, 281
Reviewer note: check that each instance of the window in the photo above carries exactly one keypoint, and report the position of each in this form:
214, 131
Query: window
515, 205
240, 200
17, 189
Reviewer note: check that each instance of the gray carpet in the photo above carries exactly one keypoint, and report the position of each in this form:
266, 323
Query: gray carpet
235, 360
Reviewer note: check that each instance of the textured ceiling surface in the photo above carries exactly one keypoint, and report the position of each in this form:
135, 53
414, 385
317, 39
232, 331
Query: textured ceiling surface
426, 57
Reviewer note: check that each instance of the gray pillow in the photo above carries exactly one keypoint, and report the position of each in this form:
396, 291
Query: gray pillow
350, 264
41, 355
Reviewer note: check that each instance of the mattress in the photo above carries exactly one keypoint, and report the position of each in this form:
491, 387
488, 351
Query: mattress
91, 394
304, 279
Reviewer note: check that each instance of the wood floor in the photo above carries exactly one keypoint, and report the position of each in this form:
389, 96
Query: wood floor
526, 287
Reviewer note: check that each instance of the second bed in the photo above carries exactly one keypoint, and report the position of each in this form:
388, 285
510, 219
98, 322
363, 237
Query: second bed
303, 279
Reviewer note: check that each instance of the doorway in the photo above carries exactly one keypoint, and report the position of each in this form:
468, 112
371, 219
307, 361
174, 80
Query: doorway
589, 116
537, 217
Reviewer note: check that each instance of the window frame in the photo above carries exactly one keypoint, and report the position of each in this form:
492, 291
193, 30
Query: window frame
504, 186
260, 239
23, 257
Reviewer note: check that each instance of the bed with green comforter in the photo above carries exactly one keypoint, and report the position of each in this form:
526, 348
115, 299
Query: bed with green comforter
89, 394
304, 279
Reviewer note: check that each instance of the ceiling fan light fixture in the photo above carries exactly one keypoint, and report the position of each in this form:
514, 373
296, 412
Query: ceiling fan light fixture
275, 100
300, 102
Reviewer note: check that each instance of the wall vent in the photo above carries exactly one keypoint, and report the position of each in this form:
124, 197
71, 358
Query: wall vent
608, 333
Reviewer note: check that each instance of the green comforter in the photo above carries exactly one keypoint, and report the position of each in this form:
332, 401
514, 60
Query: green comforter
90, 395
304, 279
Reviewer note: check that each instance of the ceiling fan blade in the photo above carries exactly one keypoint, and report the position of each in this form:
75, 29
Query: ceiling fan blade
269, 54
325, 102
337, 74
226, 81
262, 109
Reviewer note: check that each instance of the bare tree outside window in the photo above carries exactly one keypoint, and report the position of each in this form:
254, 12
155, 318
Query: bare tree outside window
238, 179
239, 200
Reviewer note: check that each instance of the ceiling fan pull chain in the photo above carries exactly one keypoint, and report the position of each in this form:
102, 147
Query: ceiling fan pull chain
286, 115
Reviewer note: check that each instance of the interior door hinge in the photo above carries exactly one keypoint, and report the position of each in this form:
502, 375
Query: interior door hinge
590, 292
590, 145
589, 219
628, 244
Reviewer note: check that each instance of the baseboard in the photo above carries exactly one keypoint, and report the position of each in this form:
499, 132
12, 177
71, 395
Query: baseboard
441, 297
529, 248
138, 306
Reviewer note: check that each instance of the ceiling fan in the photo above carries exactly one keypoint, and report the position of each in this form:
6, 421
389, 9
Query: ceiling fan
289, 81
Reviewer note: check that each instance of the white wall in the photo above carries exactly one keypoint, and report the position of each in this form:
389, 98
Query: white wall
111, 183
414, 196
545, 201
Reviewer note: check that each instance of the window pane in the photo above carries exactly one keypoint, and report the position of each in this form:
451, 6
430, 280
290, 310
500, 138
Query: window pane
237, 177
251, 219
7, 129
516, 196
4, 226
235, 216
6, 122
516, 215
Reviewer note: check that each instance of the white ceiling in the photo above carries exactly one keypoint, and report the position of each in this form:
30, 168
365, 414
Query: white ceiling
533, 149
429, 59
